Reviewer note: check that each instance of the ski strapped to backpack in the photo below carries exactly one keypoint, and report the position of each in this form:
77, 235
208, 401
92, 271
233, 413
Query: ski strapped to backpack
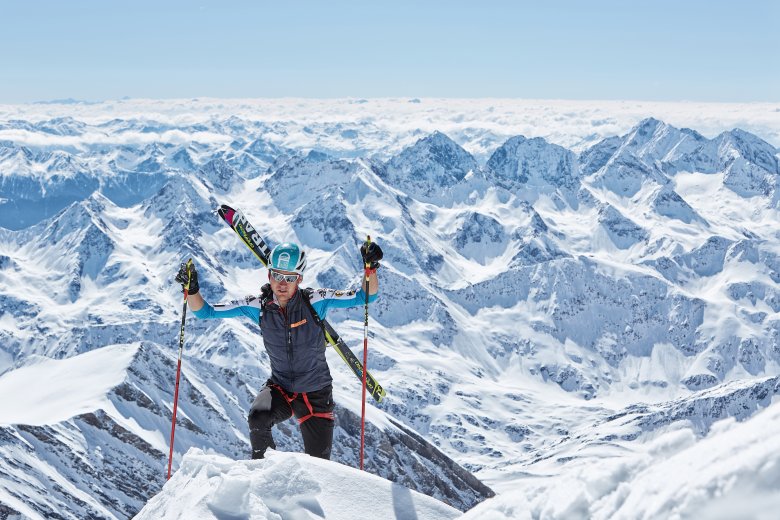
252, 239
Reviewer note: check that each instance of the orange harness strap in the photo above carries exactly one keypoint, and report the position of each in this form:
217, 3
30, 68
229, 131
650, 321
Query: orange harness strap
312, 413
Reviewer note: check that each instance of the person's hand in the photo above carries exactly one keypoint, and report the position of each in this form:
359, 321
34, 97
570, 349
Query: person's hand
188, 277
371, 253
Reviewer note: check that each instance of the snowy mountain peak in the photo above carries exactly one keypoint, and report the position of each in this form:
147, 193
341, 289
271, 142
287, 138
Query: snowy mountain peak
622, 231
431, 168
317, 156
533, 164
304, 178
438, 148
264, 150
638, 159
669, 203
65, 125
652, 140
219, 174
752, 148
646, 129
750, 164
182, 160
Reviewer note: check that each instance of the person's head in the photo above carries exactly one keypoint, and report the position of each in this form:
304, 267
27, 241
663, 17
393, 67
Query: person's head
285, 270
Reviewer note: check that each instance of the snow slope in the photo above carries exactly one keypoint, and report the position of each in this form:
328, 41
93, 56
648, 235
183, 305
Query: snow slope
730, 473
63, 388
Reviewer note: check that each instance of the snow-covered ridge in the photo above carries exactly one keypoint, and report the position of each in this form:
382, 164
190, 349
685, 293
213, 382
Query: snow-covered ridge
96, 425
102, 419
72, 386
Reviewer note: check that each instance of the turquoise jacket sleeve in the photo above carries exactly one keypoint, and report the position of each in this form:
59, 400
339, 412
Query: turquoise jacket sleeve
325, 299
249, 307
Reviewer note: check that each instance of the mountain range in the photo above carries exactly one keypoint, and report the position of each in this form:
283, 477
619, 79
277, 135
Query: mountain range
537, 305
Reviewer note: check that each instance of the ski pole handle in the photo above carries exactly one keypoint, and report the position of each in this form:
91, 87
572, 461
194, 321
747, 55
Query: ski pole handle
189, 278
367, 265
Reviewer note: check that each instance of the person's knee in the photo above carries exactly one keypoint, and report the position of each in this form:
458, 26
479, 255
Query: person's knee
260, 420
263, 401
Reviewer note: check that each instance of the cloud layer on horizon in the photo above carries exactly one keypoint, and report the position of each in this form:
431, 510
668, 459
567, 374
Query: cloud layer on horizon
380, 126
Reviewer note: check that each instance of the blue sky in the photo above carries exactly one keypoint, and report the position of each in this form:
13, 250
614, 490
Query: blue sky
658, 50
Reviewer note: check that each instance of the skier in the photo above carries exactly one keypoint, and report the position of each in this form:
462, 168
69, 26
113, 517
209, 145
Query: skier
300, 382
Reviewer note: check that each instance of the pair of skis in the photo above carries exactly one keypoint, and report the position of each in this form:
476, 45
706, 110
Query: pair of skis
252, 239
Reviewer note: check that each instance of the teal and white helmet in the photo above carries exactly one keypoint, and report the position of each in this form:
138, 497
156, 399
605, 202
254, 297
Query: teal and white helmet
288, 257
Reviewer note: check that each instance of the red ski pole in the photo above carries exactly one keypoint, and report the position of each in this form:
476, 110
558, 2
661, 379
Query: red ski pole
178, 370
365, 361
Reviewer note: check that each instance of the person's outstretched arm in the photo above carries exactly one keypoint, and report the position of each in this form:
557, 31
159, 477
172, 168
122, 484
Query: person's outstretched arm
188, 278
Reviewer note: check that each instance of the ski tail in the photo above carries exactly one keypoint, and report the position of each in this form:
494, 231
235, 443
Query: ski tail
333, 339
372, 385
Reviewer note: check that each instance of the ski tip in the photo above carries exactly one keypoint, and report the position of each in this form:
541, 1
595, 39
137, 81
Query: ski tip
226, 212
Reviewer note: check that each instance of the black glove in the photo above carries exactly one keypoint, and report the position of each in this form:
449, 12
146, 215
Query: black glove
371, 253
188, 278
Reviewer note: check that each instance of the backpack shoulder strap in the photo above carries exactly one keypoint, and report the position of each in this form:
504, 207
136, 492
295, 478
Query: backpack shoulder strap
266, 296
306, 294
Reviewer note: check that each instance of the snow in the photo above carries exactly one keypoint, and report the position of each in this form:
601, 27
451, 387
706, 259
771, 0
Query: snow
284, 485
579, 342
47, 391
734, 472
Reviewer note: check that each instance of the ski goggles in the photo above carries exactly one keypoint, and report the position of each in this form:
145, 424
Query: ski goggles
282, 277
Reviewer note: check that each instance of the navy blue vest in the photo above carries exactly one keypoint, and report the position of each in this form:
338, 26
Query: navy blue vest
295, 345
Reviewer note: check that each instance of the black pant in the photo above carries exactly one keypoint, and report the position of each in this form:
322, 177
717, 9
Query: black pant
274, 405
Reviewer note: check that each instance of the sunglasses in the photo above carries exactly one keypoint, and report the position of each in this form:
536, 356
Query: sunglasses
281, 277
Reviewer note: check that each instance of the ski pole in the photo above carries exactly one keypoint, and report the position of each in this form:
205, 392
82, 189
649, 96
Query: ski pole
367, 268
178, 369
